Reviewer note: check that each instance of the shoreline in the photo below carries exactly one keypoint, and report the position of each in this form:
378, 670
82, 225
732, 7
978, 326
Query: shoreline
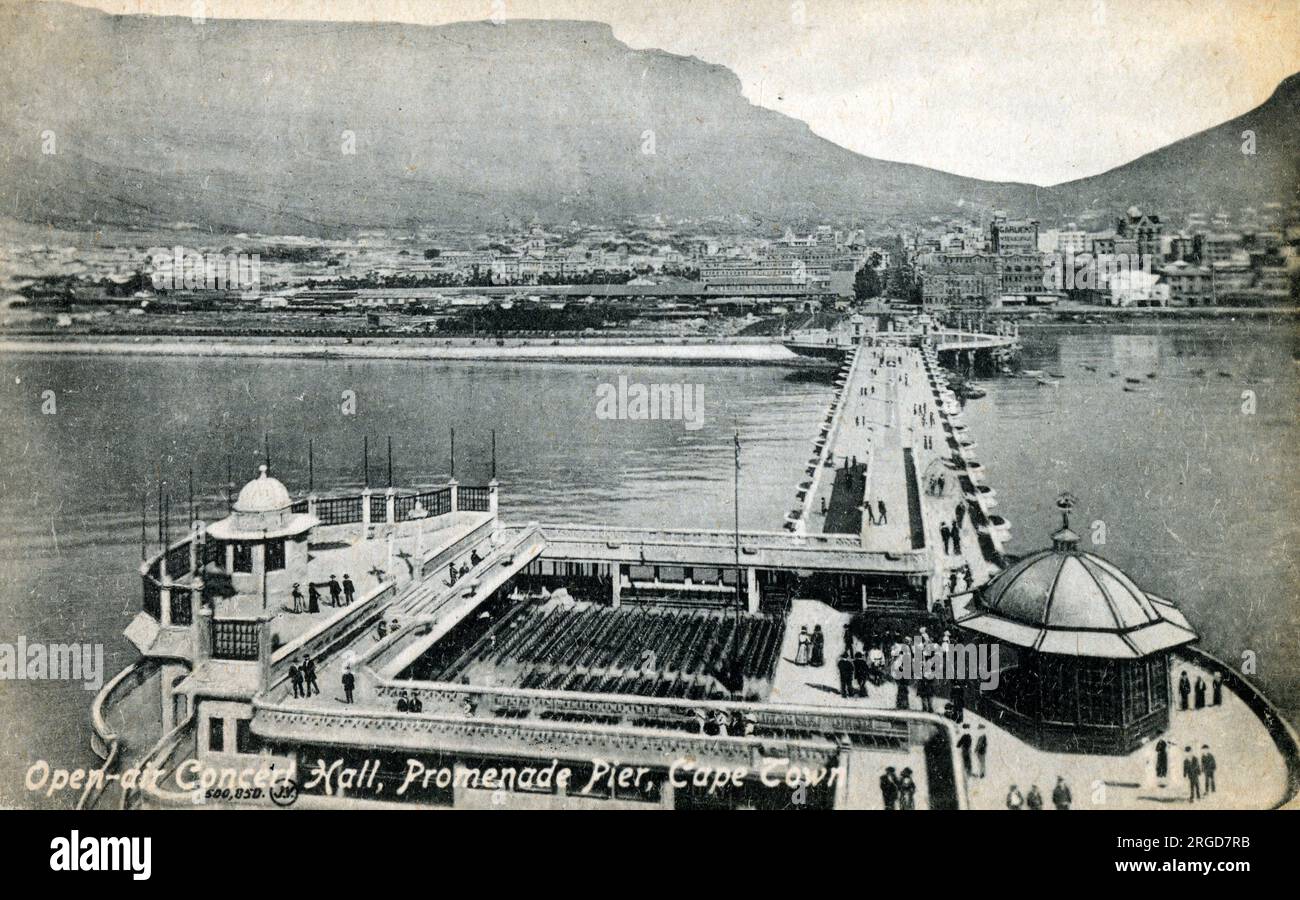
761, 354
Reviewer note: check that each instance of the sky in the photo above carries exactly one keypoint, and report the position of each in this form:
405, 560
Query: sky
1040, 91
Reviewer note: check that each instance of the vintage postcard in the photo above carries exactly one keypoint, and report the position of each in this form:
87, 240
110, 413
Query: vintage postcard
608, 404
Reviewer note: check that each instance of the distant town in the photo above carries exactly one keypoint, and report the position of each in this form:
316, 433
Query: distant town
647, 275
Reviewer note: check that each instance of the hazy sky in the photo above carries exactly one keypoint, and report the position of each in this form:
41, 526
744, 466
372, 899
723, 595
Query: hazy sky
1027, 90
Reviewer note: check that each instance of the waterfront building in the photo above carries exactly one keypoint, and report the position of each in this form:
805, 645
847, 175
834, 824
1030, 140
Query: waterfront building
1018, 237
960, 279
1086, 651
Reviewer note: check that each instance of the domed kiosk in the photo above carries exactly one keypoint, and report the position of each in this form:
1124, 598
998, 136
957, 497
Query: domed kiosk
1084, 651
265, 541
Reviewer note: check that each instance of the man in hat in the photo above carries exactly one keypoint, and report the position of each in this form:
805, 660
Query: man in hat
889, 788
1208, 765
349, 684
845, 666
309, 675
1061, 797
1192, 772
336, 590
349, 590
861, 671
964, 745
295, 678
981, 748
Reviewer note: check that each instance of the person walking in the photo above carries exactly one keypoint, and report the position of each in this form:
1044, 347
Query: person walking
309, 675
906, 791
882, 517
861, 671
297, 598
981, 749
1216, 687
946, 533
925, 690
1200, 692
964, 745
1208, 767
349, 684
871, 513
1061, 797
956, 541
336, 590
1162, 761
889, 788
803, 651
349, 590
313, 598
1184, 689
845, 666
1192, 772
818, 647
295, 678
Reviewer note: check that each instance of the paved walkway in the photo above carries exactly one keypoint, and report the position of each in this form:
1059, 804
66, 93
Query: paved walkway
1251, 772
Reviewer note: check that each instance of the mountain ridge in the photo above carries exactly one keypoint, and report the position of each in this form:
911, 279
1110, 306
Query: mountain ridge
287, 126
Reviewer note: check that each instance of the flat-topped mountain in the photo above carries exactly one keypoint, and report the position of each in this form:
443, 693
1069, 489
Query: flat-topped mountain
309, 127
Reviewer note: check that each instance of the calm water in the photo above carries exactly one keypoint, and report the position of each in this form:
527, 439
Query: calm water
1196, 497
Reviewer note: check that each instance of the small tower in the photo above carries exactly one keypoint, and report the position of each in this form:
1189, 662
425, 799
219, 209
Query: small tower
265, 541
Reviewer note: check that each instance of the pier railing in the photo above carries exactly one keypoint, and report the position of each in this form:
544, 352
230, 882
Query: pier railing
166, 591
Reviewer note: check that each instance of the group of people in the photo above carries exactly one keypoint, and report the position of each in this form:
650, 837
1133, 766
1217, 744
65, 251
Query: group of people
302, 676
341, 594
898, 791
454, 574
1198, 769
1189, 696
951, 535
964, 574
1061, 796
859, 668
811, 649
409, 703
880, 516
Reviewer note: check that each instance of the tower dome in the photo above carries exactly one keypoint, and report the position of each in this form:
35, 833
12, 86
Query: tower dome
263, 510
262, 494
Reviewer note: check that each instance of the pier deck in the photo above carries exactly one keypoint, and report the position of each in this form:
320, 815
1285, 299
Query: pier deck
892, 438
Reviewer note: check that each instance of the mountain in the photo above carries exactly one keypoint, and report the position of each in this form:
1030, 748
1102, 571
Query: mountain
309, 127
1209, 170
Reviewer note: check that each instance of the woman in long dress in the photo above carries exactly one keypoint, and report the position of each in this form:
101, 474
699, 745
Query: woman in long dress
818, 647
804, 652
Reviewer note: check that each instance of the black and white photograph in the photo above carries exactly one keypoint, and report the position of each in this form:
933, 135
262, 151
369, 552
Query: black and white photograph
507, 405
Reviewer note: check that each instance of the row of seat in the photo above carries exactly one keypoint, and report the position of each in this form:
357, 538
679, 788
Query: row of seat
563, 645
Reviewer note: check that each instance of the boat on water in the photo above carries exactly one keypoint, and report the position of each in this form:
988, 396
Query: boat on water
594, 660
